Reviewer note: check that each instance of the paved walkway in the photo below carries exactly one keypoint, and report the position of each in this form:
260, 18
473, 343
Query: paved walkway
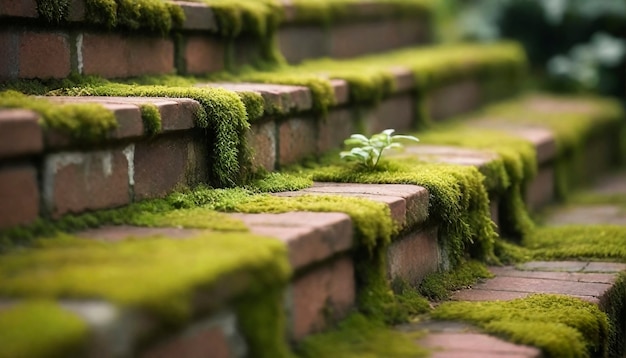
587, 280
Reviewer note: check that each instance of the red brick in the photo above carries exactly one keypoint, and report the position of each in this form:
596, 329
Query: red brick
203, 55
347, 40
336, 128
540, 191
414, 256
9, 61
534, 285
487, 295
76, 182
119, 56
310, 237
475, 344
298, 43
449, 154
44, 55
20, 133
341, 90
328, 288
165, 163
396, 112
19, 196
404, 79
297, 140
19, 8
200, 343
454, 99
262, 140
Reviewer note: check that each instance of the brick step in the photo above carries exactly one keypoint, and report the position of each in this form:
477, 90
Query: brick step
208, 39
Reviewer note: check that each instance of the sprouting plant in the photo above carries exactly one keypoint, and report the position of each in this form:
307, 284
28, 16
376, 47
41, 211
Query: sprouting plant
368, 151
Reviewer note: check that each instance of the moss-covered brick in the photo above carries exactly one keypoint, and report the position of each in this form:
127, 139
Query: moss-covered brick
561, 326
88, 122
36, 329
156, 274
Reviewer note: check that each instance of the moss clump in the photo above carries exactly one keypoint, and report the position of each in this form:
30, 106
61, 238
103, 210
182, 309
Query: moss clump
278, 182
149, 15
88, 122
151, 119
561, 326
53, 11
156, 274
579, 242
358, 336
328, 12
437, 286
40, 329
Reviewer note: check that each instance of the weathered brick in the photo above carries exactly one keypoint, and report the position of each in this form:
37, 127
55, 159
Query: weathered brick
75, 182
454, 99
396, 112
113, 55
346, 40
44, 55
310, 237
333, 130
414, 256
165, 163
469, 344
19, 8
20, 133
206, 339
9, 61
19, 195
540, 191
262, 140
328, 288
198, 16
298, 43
297, 139
203, 54
535, 285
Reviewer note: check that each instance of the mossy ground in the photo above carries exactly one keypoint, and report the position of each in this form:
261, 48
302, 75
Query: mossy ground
358, 336
157, 274
561, 326
40, 329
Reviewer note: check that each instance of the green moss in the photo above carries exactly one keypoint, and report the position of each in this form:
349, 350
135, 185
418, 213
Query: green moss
156, 274
437, 286
53, 11
151, 119
276, 182
149, 15
561, 326
358, 336
40, 329
88, 122
578, 242
263, 324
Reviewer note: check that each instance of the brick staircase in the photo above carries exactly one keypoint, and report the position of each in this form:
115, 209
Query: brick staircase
82, 252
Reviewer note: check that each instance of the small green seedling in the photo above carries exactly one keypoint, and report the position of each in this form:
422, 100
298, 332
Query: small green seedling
368, 151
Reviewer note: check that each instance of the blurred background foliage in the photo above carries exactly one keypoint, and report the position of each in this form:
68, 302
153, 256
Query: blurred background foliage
572, 45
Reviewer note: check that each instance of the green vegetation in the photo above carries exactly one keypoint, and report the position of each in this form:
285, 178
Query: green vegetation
358, 336
151, 119
148, 15
89, 122
368, 151
40, 329
437, 286
157, 274
561, 326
